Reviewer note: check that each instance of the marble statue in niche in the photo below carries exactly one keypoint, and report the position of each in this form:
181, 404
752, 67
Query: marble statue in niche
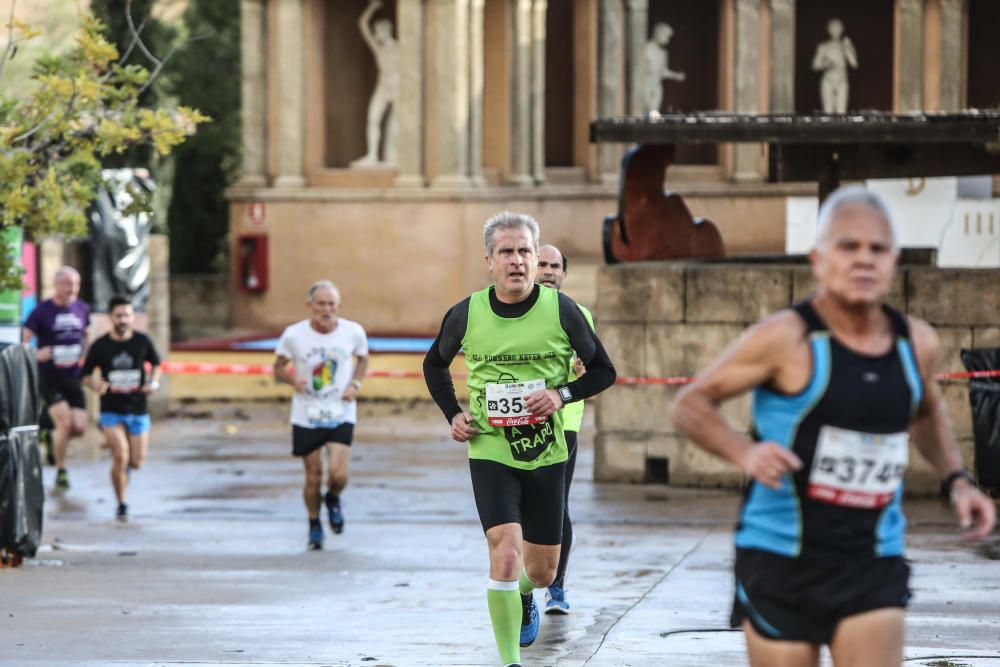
657, 68
833, 57
382, 105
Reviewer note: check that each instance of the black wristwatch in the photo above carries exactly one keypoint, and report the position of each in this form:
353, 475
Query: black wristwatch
961, 473
565, 394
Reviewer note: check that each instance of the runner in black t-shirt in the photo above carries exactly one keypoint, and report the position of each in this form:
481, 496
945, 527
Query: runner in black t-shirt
123, 383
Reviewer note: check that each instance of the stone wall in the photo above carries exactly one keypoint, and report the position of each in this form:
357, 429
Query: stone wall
671, 319
199, 306
401, 260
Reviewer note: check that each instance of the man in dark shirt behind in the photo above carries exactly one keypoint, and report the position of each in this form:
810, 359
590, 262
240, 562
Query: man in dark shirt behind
121, 356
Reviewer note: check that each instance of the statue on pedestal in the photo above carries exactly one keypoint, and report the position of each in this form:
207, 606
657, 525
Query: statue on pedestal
656, 68
384, 47
833, 58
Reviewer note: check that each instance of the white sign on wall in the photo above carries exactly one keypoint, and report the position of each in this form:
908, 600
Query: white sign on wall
965, 232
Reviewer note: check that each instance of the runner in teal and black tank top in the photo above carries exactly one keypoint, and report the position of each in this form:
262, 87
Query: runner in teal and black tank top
552, 265
841, 383
519, 339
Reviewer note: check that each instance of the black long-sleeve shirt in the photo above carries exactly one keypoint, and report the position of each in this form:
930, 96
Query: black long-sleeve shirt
600, 371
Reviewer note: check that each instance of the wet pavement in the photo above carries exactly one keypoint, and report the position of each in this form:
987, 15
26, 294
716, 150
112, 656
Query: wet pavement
212, 568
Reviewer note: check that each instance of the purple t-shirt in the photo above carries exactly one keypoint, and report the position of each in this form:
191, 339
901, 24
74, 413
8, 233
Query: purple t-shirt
63, 328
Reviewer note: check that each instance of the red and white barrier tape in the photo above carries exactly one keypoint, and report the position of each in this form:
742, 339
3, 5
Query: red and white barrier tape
202, 368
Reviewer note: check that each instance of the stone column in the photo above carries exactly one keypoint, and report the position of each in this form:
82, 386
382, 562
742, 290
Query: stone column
539, 9
746, 51
451, 108
910, 55
782, 56
291, 77
611, 44
476, 76
520, 96
410, 103
952, 45
636, 35
253, 92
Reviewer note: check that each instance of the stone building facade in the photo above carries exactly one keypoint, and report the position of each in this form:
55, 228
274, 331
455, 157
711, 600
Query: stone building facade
494, 103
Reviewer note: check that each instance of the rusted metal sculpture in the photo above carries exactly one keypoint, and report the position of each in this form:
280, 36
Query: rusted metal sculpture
652, 224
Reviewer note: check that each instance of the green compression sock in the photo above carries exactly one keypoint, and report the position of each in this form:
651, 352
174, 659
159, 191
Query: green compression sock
524, 584
505, 613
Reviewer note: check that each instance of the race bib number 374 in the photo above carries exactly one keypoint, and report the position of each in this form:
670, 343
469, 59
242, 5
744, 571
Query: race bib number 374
854, 469
505, 403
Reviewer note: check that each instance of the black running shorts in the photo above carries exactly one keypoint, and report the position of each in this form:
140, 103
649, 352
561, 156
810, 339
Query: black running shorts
305, 441
799, 599
532, 498
55, 389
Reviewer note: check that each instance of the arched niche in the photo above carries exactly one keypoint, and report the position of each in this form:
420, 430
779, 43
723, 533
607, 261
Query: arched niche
869, 25
349, 75
559, 83
693, 50
983, 77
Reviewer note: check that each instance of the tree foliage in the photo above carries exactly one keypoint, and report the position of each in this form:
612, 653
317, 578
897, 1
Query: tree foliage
81, 107
198, 216
121, 19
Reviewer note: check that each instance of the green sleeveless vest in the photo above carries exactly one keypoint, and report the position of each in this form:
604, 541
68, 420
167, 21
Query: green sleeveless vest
507, 350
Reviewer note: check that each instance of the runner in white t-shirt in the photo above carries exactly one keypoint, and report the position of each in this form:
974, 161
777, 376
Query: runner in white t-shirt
330, 357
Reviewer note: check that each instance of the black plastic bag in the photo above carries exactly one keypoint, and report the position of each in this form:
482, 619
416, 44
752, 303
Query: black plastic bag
21, 493
984, 395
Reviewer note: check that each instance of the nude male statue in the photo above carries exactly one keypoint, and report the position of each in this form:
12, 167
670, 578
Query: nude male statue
833, 58
657, 67
384, 47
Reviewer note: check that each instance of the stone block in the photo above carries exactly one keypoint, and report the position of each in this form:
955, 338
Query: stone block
620, 457
685, 349
626, 346
665, 446
693, 466
630, 408
953, 341
955, 297
804, 285
741, 294
956, 401
986, 337
921, 479
641, 292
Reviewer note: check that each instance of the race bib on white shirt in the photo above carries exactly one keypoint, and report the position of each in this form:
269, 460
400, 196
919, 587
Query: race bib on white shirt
324, 412
125, 381
66, 356
505, 403
854, 469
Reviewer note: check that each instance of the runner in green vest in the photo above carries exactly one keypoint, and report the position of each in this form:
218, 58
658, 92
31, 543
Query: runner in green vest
518, 338
552, 265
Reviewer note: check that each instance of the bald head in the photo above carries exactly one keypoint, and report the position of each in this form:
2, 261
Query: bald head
551, 266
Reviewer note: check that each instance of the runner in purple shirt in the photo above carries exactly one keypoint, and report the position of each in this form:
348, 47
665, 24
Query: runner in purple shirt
60, 324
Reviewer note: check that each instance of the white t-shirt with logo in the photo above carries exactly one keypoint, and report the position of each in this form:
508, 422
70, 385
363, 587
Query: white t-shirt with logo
327, 363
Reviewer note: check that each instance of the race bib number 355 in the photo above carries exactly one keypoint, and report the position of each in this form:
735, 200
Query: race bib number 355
505, 403
854, 469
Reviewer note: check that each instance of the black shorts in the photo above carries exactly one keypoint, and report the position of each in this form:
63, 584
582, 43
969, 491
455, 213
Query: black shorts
56, 389
533, 498
803, 599
305, 441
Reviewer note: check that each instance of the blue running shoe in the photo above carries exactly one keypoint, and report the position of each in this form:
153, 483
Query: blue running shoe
529, 620
555, 600
315, 537
336, 515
